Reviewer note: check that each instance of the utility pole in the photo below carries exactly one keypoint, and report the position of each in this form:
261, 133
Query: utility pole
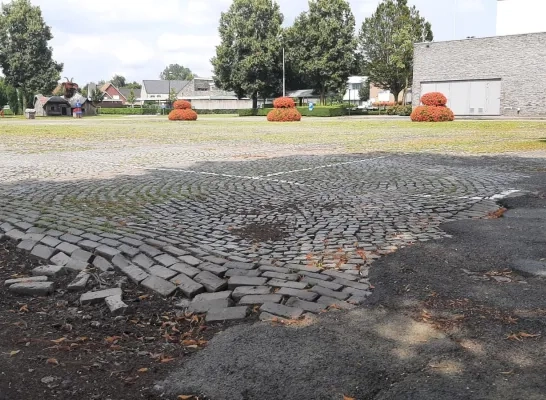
283, 75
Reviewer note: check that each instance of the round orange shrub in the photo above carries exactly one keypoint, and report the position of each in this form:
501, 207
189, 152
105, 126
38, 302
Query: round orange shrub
182, 115
434, 99
432, 114
182, 105
284, 102
284, 115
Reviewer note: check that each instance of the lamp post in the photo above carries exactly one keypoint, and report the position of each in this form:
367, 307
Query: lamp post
283, 74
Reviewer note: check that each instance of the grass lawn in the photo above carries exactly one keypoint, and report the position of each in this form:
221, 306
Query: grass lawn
353, 135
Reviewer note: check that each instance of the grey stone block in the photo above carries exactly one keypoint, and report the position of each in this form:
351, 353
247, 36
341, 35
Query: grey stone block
67, 248
338, 274
354, 285
205, 306
27, 244
227, 314
190, 260
187, 285
243, 291
143, 261
26, 280
185, 269
69, 263
357, 300
106, 251
315, 276
242, 272
116, 305
253, 299
305, 305
175, 251
277, 275
159, 285
128, 250
89, 245
213, 296
15, 234
33, 288
50, 241
80, 282
267, 317
236, 281
357, 292
49, 270
71, 238
162, 272
34, 236
271, 268
102, 264
43, 252
150, 250
215, 260
134, 273
239, 265
330, 293
301, 267
302, 294
215, 269
326, 284
282, 311
530, 267
166, 260
210, 281
82, 255
54, 233
329, 301
289, 284
97, 297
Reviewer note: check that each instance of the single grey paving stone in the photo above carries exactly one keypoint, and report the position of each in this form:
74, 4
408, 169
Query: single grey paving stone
67, 248
143, 261
357, 300
342, 275
162, 272
149, 250
330, 293
131, 242
43, 252
67, 237
282, 311
80, 282
23, 225
134, 273
27, 244
75, 231
15, 234
128, 250
253, 299
50, 241
49, 270
242, 272
33, 288
34, 236
190, 260
119, 261
267, 317
97, 297
185, 269
301, 267
277, 275
239, 265
110, 235
89, 245
159, 285
329, 301
106, 251
76, 265
102, 264
237, 258
210, 281
91, 237
205, 306
6, 227
215, 260
110, 242
236, 281
116, 305
305, 305
175, 251
36, 229
187, 285
25, 280
315, 276
82, 255
54, 233
153, 242
215, 269
271, 268
302, 294
227, 314
213, 296
289, 284
530, 267
357, 292
354, 285
326, 284
166, 260
243, 291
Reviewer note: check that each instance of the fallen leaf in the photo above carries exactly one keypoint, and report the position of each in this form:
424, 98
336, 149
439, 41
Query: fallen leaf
167, 359
508, 372
189, 342
14, 352
82, 339
184, 397
528, 335
142, 370
112, 339
348, 398
521, 335
52, 361
143, 297
60, 340
24, 308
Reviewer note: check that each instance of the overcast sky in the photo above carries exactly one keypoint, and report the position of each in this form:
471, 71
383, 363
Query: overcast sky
136, 38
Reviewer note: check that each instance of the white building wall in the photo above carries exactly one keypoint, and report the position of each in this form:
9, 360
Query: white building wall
520, 16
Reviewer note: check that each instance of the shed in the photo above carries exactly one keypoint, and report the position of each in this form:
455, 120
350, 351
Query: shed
51, 106
87, 107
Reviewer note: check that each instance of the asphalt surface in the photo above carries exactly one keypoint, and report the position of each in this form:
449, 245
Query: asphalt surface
449, 319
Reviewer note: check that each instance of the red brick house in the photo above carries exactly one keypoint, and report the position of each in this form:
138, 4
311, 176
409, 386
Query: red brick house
112, 96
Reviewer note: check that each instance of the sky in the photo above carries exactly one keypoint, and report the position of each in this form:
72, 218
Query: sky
137, 39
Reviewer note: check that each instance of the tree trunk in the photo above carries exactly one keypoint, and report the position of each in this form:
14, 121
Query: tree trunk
255, 100
322, 97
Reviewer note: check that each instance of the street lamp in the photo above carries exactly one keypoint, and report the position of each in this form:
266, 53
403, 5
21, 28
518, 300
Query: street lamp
283, 74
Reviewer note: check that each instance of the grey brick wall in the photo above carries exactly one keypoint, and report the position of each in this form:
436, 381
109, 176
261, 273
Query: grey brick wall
518, 60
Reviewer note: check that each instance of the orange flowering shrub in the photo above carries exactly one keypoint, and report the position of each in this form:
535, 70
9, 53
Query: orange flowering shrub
384, 104
284, 115
434, 99
182, 105
432, 114
284, 102
182, 115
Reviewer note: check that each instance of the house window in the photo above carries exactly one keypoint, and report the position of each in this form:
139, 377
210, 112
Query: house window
202, 89
52, 108
356, 86
116, 97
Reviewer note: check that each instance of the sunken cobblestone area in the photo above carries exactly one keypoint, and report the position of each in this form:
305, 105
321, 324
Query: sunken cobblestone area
291, 235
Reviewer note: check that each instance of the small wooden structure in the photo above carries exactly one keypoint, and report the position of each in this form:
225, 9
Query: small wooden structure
52, 106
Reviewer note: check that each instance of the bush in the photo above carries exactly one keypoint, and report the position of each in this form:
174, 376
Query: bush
432, 114
284, 102
285, 114
182, 105
434, 99
182, 115
322, 111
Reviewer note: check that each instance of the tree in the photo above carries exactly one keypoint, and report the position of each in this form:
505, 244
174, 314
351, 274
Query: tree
321, 45
386, 42
97, 96
13, 99
134, 85
131, 99
25, 57
176, 72
3, 94
118, 81
364, 92
172, 97
248, 60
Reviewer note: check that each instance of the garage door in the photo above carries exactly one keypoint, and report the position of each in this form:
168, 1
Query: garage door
468, 97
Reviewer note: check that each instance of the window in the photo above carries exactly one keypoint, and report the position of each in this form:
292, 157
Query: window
356, 86
116, 97
52, 108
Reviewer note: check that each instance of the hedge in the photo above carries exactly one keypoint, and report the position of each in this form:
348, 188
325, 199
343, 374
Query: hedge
217, 111
320, 111
128, 111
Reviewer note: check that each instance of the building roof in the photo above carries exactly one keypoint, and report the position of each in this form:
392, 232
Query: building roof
126, 92
56, 99
77, 98
162, 87
302, 93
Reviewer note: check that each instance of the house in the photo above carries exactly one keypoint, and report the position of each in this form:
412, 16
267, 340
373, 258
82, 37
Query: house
352, 94
201, 92
381, 95
61, 106
112, 96
126, 93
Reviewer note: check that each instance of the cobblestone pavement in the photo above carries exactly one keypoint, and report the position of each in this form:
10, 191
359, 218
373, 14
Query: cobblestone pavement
230, 228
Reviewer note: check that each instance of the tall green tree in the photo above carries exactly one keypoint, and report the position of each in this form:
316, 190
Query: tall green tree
3, 94
118, 81
131, 99
13, 99
176, 72
386, 42
249, 58
133, 85
97, 96
26, 58
321, 45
